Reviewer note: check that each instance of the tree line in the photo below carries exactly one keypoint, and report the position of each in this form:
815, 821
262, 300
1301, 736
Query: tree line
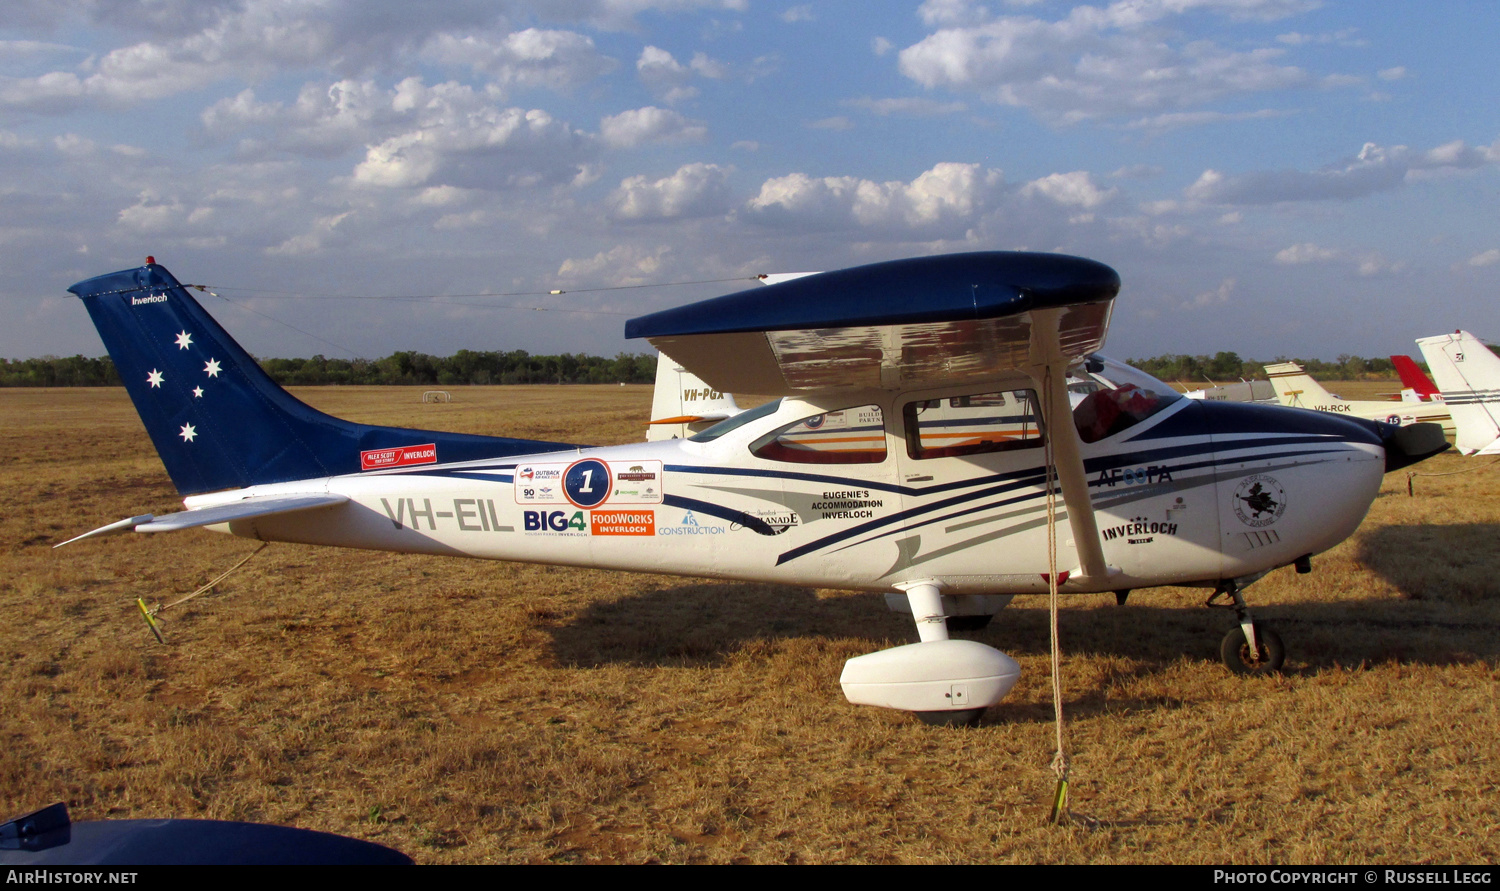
1228, 367
520, 367
402, 368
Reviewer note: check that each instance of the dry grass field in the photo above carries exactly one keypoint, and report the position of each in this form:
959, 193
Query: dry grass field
469, 712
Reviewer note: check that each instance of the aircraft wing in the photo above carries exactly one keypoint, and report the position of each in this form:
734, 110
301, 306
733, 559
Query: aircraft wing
246, 509
901, 324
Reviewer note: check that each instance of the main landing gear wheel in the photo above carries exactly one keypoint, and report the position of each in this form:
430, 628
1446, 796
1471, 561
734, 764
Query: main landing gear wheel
1234, 650
966, 717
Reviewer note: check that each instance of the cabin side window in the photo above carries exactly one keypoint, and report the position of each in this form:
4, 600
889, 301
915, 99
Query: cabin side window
973, 425
846, 436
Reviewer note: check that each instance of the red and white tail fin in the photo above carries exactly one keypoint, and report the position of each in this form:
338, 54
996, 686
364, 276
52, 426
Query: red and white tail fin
1413, 379
1468, 374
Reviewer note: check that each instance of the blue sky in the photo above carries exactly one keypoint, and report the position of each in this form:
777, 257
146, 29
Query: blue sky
1273, 177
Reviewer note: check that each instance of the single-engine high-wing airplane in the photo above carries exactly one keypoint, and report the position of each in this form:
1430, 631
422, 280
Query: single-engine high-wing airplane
1297, 389
1468, 374
920, 402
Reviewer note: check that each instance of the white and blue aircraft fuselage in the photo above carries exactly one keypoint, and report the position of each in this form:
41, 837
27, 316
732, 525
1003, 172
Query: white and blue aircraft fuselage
920, 404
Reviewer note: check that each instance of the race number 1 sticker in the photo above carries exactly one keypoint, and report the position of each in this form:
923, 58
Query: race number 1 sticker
586, 483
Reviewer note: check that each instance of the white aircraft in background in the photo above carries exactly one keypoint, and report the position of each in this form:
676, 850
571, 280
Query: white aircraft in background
1243, 391
1297, 389
682, 404
925, 404
1468, 374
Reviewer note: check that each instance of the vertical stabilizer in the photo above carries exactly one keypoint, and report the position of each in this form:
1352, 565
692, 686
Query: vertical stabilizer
683, 404
217, 419
1468, 374
1296, 387
1413, 379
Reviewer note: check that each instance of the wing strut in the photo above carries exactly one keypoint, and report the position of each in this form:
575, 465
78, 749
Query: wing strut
1052, 371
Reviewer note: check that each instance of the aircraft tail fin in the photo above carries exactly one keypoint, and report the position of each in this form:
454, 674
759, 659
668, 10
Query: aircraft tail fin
1468, 374
682, 404
1413, 379
1296, 387
217, 419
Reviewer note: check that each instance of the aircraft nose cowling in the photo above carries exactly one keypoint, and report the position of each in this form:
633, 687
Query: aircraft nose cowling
1405, 446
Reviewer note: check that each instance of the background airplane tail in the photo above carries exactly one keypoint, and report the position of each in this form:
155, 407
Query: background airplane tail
1296, 387
1469, 376
1413, 379
218, 420
682, 404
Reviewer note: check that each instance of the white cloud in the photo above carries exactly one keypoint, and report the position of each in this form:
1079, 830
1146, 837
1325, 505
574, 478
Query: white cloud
951, 13
1368, 263
1177, 119
1395, 73
621, 265
837, 122
695, 190
455, 136
1217, 297
641, 126
948, 197
152, 214
801, 13
1485, 258
1076, 189
530, 58
1373, 169
1307, 252
310, 242
197, 44
909, 106
880, 46
1097, 61
669, 79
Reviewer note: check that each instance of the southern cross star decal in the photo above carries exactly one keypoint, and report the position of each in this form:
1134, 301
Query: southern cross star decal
188, 433
197, 392
155, 378
212, 367
184, 340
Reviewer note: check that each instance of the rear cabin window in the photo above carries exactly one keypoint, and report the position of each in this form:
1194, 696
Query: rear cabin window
973, 425
847, 436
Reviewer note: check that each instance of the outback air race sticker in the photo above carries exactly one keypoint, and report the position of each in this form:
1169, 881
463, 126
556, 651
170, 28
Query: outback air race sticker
590, 483
380, 459
1259, 500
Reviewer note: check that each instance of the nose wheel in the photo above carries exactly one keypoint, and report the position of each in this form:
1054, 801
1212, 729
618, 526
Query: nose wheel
1266, 657
1251, 648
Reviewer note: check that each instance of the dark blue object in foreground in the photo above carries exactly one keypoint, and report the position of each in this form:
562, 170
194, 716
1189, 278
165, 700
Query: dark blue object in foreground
46, 838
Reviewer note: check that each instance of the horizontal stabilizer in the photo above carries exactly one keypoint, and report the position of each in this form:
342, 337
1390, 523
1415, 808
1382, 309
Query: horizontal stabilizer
247, 509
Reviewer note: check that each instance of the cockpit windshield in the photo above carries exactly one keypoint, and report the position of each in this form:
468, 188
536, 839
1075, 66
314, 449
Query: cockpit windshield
734, 423
1118, 397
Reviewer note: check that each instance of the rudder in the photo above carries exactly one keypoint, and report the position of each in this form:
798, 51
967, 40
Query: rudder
217, 419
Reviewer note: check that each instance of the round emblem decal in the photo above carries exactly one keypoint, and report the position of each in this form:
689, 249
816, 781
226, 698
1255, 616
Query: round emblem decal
586, 483
1259, 500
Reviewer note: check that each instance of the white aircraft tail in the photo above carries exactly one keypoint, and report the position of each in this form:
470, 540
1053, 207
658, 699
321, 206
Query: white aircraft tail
683, 404
1469, 376
1296, 387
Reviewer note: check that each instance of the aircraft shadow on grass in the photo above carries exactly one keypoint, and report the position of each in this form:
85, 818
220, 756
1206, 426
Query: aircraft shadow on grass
1455, 564
698, 625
